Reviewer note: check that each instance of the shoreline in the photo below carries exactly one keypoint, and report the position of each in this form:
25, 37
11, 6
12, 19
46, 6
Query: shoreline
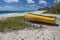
4, 16
22, 14
18, 14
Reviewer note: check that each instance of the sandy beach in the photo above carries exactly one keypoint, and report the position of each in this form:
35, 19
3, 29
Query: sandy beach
44, 33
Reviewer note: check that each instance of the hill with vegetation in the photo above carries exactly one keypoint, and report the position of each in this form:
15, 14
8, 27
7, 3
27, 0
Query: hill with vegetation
55, 9
45, 8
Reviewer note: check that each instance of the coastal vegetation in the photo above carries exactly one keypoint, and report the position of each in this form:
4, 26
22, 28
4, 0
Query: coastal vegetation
54, 9
13, 23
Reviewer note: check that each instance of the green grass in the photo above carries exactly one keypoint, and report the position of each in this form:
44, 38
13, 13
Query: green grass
13, 23
50, 13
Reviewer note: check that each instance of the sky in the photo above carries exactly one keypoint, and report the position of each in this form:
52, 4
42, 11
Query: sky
24, 5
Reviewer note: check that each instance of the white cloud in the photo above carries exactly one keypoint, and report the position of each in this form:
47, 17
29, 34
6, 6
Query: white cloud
42, 2
56, 1
33, 5
7, 8
12, 8
9, 1
30, 1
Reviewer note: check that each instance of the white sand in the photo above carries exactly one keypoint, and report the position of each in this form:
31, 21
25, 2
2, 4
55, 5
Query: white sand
46, 33
37, 12
10, 15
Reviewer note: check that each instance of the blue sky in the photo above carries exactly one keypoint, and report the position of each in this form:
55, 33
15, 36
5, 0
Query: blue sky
22, 5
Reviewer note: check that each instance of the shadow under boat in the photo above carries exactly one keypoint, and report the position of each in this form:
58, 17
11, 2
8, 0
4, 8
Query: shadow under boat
43, 23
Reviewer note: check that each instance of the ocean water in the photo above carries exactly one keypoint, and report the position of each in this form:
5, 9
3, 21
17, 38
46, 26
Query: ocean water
10, 12
4, 14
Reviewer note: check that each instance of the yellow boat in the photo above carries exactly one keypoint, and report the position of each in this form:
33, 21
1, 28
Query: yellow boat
40, 18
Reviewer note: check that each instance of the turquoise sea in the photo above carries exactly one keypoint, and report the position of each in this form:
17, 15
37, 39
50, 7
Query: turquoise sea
11, 12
